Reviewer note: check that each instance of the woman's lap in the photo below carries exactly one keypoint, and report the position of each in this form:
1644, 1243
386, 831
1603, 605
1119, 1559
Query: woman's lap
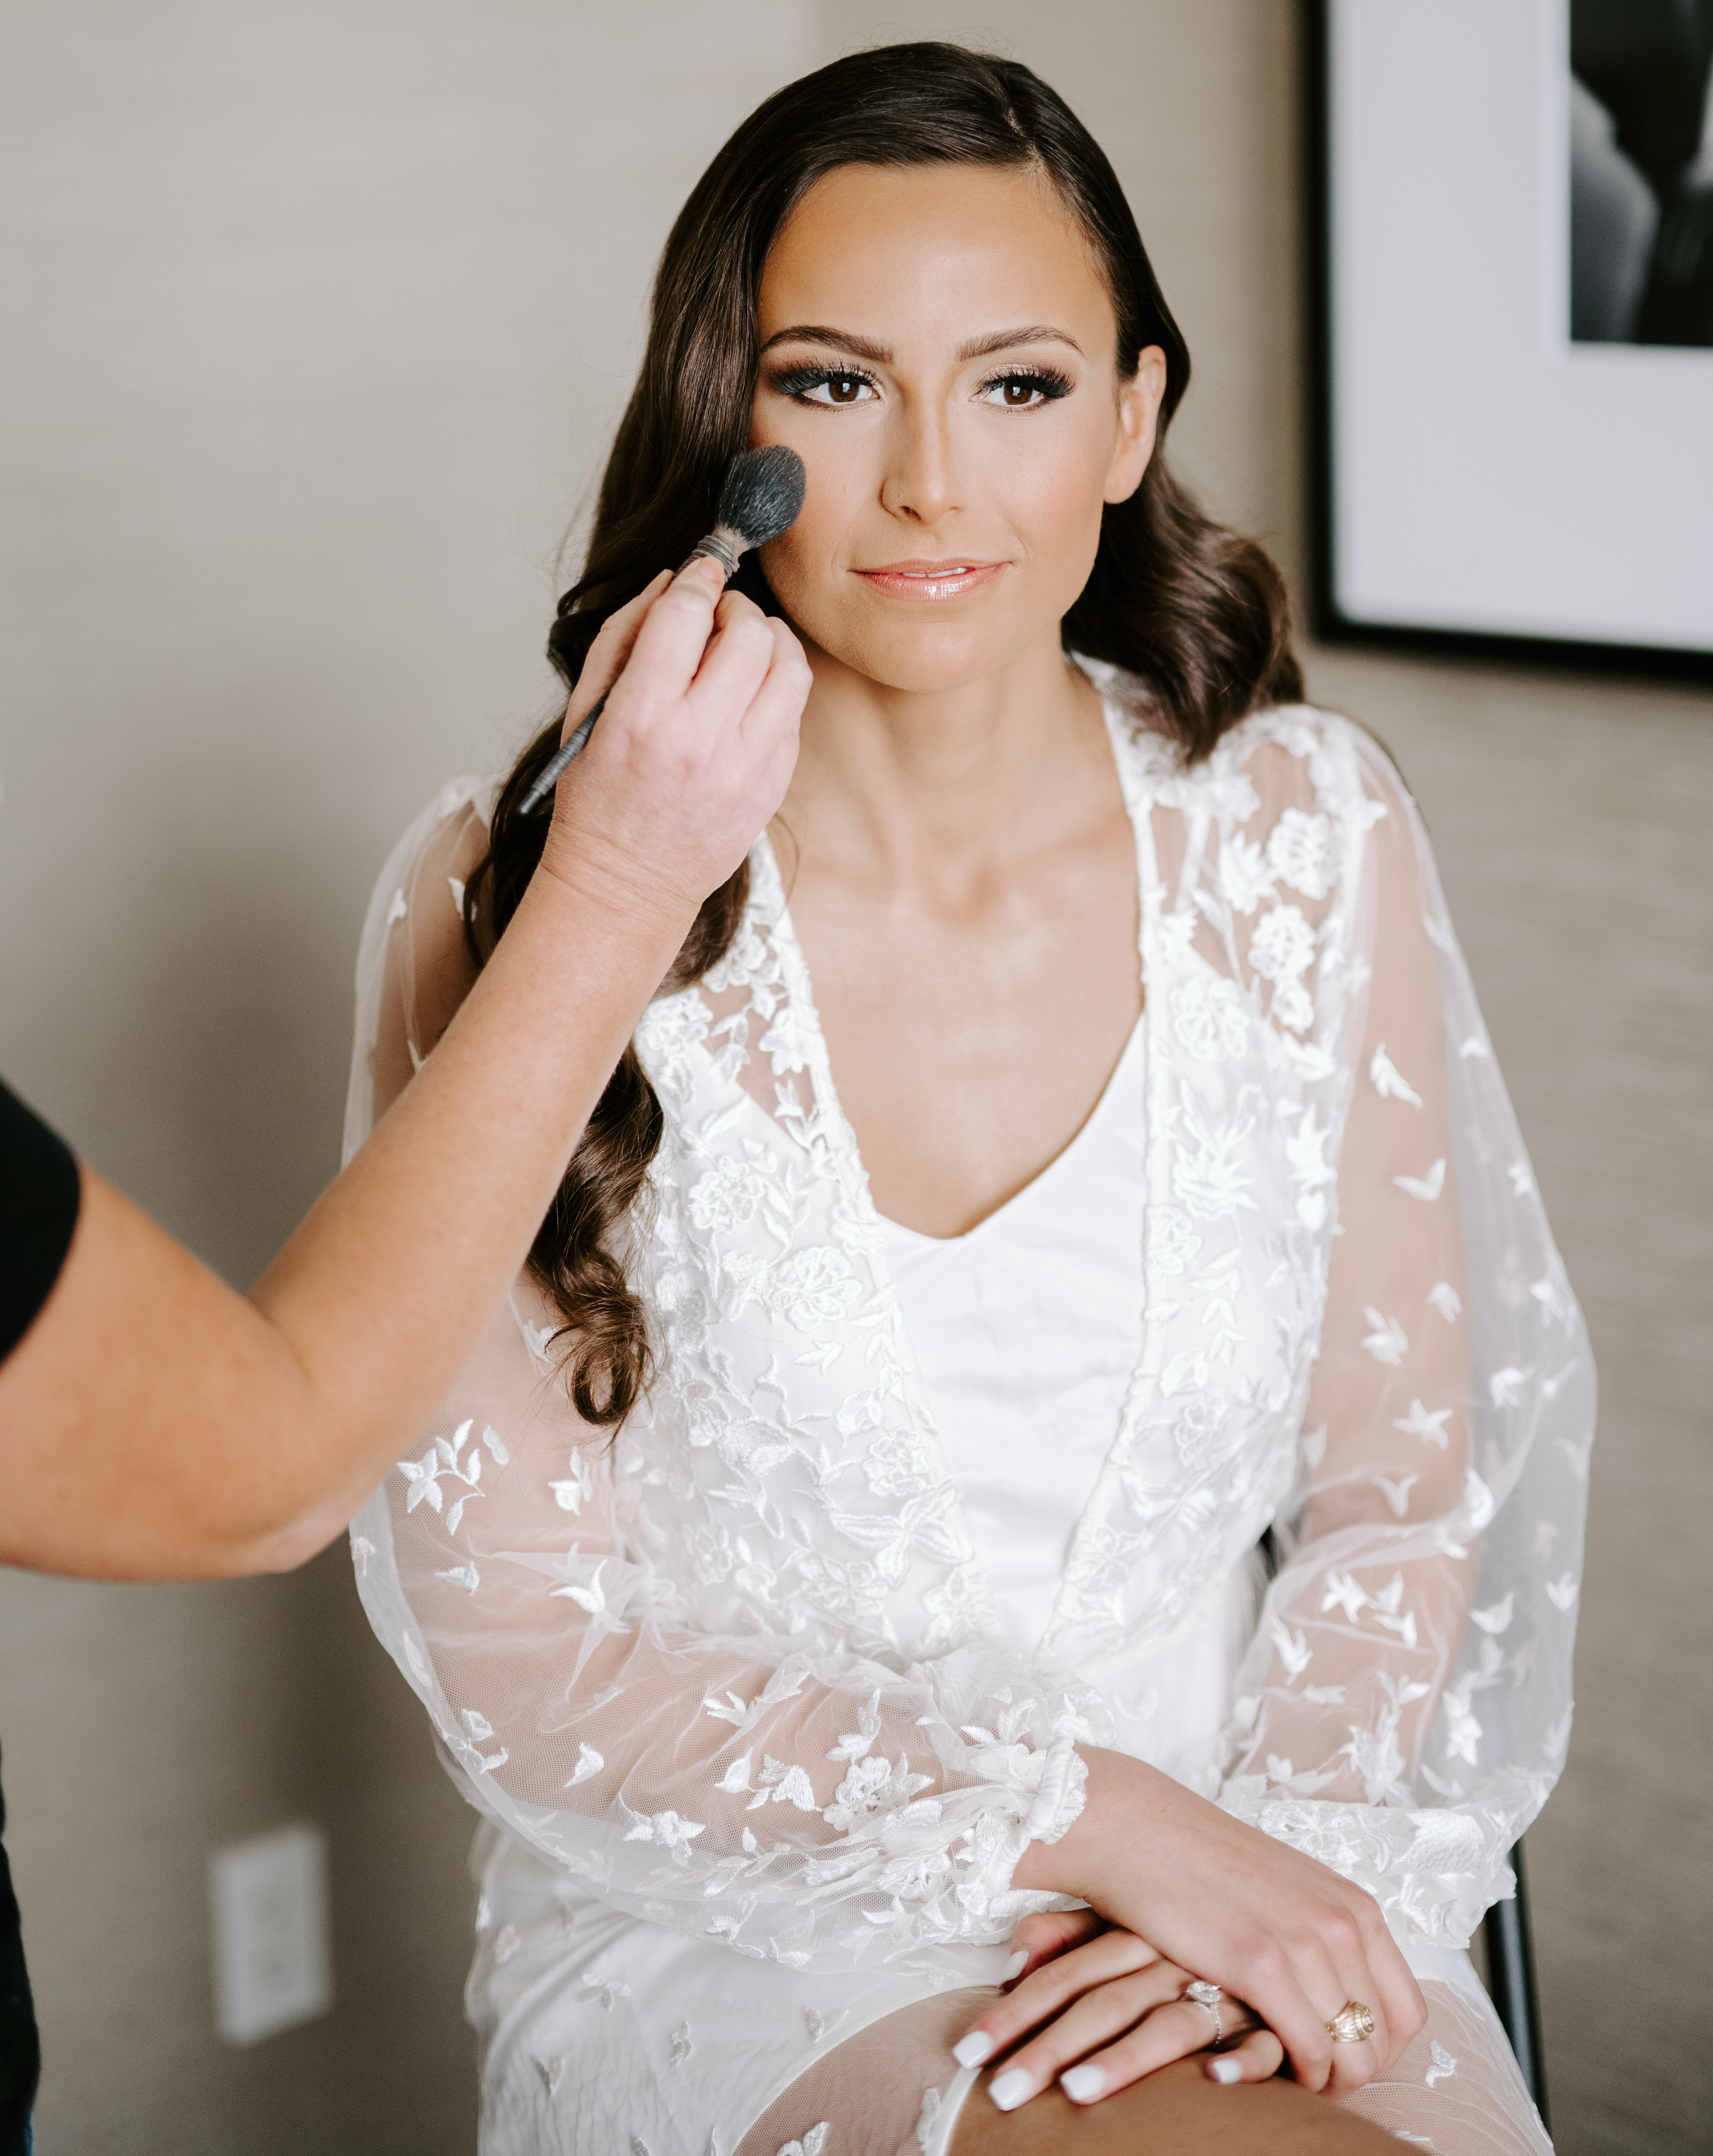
892, 2090
600, 2031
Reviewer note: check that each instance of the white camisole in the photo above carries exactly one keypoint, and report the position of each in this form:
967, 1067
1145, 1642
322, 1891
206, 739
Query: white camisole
1025, 1332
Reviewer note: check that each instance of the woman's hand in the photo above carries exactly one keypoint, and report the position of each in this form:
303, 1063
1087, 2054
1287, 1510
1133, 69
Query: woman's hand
1270, 1925
693, 752
1106, 2010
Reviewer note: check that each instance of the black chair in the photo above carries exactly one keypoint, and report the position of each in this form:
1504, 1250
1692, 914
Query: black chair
1510, 1983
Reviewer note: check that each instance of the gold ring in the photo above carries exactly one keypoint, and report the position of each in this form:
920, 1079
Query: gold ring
1352, 2024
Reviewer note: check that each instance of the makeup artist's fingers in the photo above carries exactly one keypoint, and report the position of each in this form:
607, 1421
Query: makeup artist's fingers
767, 729
693, 755
697, 673
670, 643
610, 652
775, 709
739, 655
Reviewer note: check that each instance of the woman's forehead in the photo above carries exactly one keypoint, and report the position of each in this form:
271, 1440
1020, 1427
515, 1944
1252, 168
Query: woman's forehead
944, 253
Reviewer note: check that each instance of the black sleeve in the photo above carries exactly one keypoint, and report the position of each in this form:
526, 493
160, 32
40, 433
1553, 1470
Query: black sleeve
39, 1201
20, 2046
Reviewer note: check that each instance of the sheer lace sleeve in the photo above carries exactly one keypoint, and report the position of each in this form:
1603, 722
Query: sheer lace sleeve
412, 969
799, 1800
1406, 1705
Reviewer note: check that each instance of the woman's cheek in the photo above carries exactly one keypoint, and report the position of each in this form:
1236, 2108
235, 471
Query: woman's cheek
800, 573
1055, 511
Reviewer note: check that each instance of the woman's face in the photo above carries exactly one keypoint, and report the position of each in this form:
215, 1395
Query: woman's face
938, 346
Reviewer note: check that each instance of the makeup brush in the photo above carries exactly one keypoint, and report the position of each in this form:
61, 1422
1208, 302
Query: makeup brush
761, 497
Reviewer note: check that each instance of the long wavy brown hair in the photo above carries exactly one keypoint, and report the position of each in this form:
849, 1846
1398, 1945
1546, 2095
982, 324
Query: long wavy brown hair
1198, 614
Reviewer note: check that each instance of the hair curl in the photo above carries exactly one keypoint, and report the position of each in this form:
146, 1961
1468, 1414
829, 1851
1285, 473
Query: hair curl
1197, 611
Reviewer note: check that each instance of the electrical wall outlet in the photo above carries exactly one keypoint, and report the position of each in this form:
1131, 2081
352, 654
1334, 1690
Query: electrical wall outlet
268, 1911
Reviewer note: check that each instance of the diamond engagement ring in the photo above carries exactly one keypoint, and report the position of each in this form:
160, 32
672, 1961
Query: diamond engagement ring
1352, 2024
1209, 1995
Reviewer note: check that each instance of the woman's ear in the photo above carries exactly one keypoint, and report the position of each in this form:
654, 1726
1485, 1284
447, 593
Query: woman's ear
1138, 419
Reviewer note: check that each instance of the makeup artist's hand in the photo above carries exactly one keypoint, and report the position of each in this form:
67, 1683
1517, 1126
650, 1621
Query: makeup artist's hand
694, 751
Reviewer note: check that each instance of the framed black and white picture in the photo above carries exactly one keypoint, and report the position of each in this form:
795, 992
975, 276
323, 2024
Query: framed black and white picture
1511, 227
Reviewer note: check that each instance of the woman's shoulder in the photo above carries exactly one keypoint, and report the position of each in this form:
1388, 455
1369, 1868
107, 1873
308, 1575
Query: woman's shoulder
444, 840
464, 804
1283, 757
1290, 750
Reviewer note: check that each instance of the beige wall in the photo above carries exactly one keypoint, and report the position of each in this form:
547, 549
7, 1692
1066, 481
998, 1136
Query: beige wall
314, 321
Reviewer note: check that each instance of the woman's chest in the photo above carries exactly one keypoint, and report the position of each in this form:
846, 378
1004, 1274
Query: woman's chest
974, 1028
791, 1467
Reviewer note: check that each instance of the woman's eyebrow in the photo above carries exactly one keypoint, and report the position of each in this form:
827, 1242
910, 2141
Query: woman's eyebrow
861, 347
834, 339
1002, 340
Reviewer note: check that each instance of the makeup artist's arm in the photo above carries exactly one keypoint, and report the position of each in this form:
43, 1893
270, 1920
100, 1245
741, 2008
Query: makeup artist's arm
154, 1423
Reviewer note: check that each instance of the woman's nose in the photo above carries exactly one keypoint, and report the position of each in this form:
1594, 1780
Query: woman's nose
921, 482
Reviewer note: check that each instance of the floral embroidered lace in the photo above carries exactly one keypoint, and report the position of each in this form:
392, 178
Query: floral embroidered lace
739, 1672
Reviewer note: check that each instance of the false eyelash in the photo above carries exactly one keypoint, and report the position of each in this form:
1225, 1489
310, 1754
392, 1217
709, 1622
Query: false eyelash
1048, 380
799, 381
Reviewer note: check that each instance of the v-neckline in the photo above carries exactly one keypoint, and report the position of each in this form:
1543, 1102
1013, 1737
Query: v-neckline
799, 987
844, 1156
918, 1237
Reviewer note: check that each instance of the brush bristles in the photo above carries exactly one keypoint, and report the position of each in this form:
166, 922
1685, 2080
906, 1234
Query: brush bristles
763, 494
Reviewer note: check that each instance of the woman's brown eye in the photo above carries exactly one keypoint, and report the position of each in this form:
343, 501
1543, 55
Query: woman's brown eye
1019, 393
844, 388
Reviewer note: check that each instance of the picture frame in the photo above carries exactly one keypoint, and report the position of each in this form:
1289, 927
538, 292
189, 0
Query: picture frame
1510, 459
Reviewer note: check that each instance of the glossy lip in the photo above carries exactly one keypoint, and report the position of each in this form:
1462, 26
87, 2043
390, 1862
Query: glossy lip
931, 582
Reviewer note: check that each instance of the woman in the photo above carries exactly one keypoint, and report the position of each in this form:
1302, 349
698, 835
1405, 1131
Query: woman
854, 1535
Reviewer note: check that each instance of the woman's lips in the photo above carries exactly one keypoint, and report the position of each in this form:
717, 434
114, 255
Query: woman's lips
929, 582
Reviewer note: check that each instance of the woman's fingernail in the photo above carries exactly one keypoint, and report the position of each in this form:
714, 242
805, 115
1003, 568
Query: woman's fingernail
1012, 2089
973, 2050
1016, 1966
1083, 2084
1226, 2070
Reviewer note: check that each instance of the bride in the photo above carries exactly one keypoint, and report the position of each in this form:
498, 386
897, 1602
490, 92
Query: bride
1014, 1551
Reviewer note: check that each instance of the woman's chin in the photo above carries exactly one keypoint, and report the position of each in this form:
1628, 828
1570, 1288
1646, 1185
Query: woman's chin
929, 658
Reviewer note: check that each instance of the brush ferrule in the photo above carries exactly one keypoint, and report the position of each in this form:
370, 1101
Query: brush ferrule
721, 546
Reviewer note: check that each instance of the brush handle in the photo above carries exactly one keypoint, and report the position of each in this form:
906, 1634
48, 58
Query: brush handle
549, 778
718, 548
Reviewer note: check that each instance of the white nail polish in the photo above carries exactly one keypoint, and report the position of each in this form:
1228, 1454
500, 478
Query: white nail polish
1012, 2089
1226, 2070
975, 2050
1083, 2084
1016, 1966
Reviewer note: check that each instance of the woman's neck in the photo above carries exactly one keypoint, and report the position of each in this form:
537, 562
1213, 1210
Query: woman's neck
894, 787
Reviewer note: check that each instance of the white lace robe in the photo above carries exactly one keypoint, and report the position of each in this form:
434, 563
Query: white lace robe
740, 1673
